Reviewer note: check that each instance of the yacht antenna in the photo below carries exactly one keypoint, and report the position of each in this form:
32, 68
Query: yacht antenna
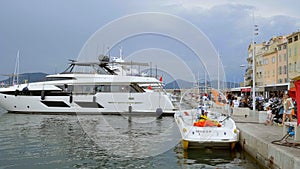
121, 53
156, 71
16, 73
150, 69
108, 51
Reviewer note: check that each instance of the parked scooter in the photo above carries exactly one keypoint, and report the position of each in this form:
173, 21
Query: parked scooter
277, 111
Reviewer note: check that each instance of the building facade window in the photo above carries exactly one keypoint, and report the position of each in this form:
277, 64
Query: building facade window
273, 59
265, 61
260, 74
290, 40
284, 69
280, 70
284, 57
279, 58
296, 38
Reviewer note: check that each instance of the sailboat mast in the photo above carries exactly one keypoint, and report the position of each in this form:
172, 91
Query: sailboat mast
198, 84
205, 82
218, 71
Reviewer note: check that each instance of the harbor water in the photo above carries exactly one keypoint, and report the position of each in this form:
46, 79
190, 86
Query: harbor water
96, 141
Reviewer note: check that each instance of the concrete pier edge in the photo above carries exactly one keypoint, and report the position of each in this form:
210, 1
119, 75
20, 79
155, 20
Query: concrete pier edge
256, 139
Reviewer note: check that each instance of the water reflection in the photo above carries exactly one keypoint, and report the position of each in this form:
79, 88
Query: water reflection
213, 158
64, 141
138, 137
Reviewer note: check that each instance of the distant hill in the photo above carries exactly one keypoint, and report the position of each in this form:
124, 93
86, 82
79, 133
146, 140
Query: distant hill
30, 77
176, 84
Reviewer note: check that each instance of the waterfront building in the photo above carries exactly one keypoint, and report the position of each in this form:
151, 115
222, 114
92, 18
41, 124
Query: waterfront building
275, 64
259, 60
271, 66
258, 50
248, 72
293, 58
282, 75
270, 62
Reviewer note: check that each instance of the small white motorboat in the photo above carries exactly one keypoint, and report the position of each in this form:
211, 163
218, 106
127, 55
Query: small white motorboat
217, 131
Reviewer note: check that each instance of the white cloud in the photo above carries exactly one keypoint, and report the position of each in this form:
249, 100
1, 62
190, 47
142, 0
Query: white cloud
265, 8
227, 23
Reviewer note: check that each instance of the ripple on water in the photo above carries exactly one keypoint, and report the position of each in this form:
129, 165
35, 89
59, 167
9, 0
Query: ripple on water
58, 141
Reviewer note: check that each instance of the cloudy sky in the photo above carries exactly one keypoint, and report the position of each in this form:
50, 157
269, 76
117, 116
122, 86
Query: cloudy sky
49, 32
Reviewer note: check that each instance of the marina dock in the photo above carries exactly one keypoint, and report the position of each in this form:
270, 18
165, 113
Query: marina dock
256, 139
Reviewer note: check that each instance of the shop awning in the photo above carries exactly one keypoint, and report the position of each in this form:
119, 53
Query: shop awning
277, 87
246, 89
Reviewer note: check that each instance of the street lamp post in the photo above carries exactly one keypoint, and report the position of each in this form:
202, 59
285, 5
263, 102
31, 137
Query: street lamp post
253, 77
255, 32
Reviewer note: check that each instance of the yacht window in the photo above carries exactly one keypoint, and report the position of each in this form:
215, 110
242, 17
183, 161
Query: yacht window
119, 88
59, 78
137, 87
83, 89
66, 88
92, 69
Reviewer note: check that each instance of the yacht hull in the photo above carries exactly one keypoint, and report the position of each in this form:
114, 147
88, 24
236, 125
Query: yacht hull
101, 103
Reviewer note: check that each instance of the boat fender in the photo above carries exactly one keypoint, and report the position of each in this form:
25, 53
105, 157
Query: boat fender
130, 109
43, 95
159, 113
25, 91
17, 92
71, 98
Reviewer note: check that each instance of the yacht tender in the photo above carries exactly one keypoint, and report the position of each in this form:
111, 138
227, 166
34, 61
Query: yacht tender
217, 131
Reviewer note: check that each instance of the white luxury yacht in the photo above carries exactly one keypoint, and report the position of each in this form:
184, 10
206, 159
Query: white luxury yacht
87, 88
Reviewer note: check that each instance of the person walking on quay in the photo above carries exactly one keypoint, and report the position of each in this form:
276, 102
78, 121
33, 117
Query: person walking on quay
287, 108
235, 103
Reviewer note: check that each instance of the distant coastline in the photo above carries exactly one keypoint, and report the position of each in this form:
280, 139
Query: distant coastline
29, 77
176, 84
